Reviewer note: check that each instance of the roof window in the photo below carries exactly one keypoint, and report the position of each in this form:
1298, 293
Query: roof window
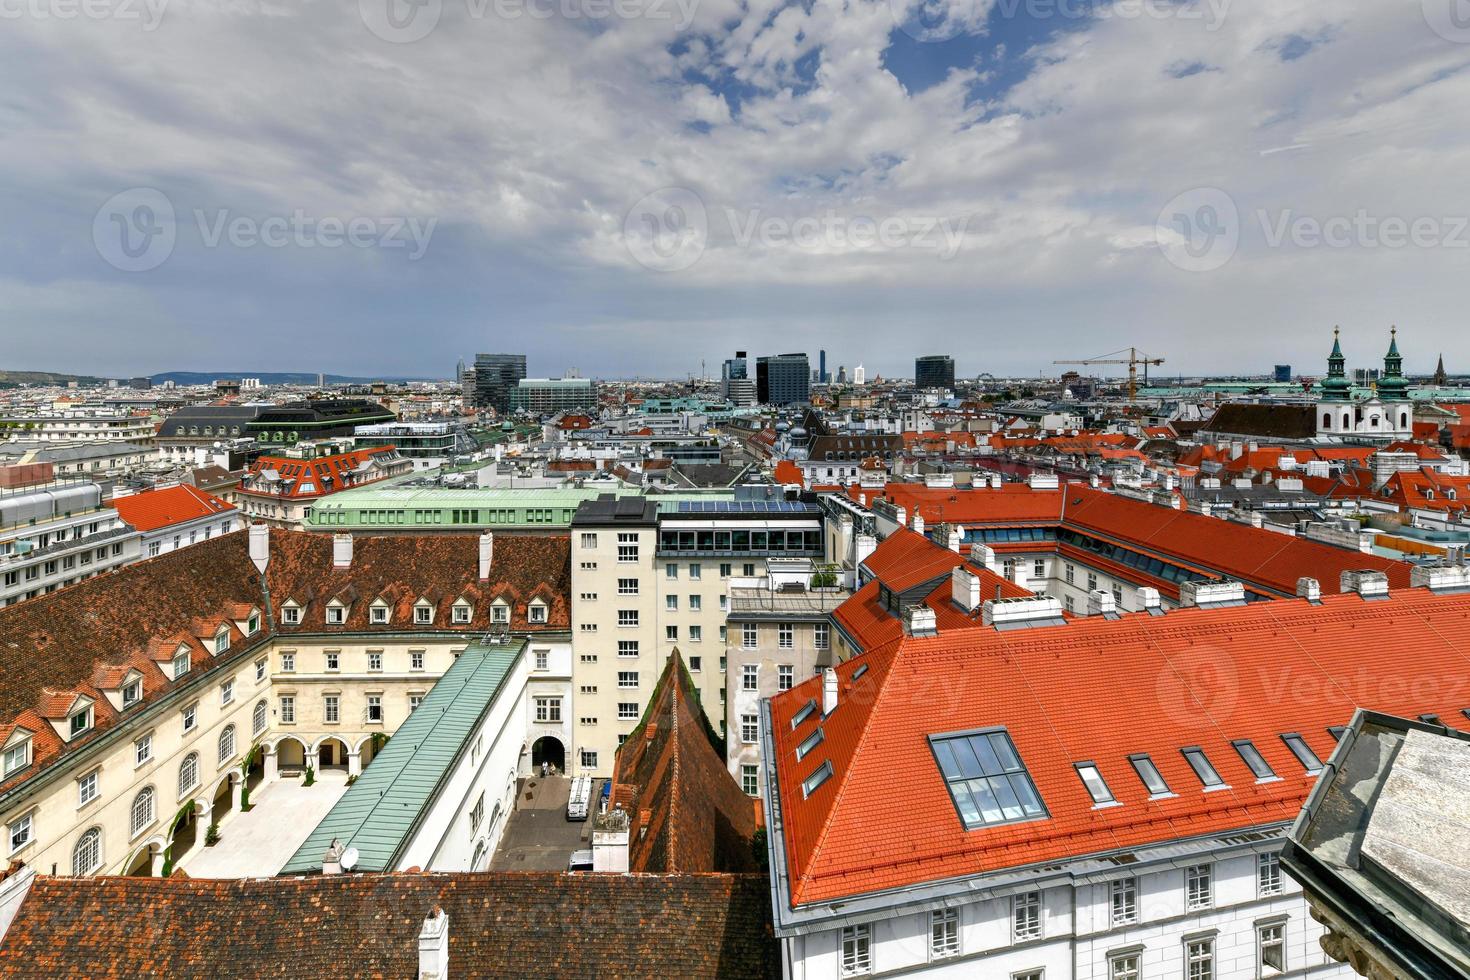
1303, 753
986, 778
1097, 787
1149, 773
1253, 759
1200, 763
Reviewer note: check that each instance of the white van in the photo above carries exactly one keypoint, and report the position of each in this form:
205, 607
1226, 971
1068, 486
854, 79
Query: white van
580, 798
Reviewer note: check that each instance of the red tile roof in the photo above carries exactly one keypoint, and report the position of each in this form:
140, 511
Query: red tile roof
150, 510
310, 478
1075, 693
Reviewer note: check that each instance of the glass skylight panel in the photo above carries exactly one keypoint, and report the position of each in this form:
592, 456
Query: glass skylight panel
810, 742
863, 669
816, 779
1097, 787
1303, 752
1253, 759
1202, 768
1149, 773
986, 779
1336, 732
804, 713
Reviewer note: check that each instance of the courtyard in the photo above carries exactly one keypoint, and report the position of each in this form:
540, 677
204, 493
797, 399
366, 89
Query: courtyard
539, 836
257, 843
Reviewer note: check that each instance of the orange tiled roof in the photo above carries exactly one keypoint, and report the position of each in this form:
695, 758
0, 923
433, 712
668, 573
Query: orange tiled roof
150, 510
1073, 693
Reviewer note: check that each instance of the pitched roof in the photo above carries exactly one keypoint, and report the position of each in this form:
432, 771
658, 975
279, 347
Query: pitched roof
149, 510
1069, 694
687, 813
502, 924
1265, 421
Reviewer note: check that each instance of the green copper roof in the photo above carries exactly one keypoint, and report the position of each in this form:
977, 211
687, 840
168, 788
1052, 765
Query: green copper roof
379, 812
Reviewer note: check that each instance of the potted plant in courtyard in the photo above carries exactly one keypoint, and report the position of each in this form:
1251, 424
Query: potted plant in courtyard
211, 836
310, 776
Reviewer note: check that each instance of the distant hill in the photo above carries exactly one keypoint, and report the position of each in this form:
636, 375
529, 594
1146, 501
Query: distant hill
13, 378
268, 377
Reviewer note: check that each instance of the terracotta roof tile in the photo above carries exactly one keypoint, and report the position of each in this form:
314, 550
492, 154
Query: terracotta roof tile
150, 510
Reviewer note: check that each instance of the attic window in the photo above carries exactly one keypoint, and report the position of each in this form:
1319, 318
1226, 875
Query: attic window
379, 615
1149, 773
221, 641
80, 722
17, 757
810, 742
803, 713
810, 784
1303, 753
132, 693
252, 625
290, 615
500, 613
537, 612
1097, 787
1252, 757
181, 662
462, 613
986, 778
336, 615
1336, 731
862, 669
423, 614
1200, 763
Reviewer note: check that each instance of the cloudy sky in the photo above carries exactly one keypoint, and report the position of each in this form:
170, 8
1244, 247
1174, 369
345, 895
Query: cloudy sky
628, 187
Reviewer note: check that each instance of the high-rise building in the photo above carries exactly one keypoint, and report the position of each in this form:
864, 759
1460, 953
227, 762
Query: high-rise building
783, 379
736, 385
545, 396
842, 374
822, 367
859, 375
934, 371
1283, 372
495, 376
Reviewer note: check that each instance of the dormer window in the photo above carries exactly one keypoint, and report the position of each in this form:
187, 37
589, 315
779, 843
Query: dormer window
252, 625
379, 614
536, 612
221, 641
291, 614
132, 693
181, 662
500, 613
463, 612
336, 615
17, 757
80, 722
423, 614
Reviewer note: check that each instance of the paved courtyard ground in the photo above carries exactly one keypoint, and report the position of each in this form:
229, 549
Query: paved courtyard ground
539, 836
258, 844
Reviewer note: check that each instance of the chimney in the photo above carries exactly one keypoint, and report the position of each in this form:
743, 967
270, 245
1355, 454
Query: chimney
1448, 578
964, 589
1309, 589
954, 538
1093, 481
1152, 603
260, 546
829, 691
1102, 603
1368, 584
984, 556
922, 621
332, 859
610, 840
487, 551
863, 550
341, 550
434, 946
901, 515
1211, 595
1041, 610
918, 524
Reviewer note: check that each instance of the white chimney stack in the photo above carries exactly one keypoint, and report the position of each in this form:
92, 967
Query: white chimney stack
260, 546
434, 946
965, 589
923, 621
1102, 603
918, 524
341, 550
1150, 600
610, 841
1309, 589
1368, 584
866, 545
332, 859
954, 538
829, 691
487, 553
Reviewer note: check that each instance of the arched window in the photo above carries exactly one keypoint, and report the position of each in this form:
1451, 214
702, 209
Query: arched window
86, 857
1326, 420
142, 813
227, 743
188, 773
1403, 420
258, 721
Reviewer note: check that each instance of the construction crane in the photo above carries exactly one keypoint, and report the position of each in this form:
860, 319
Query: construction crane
1135, 358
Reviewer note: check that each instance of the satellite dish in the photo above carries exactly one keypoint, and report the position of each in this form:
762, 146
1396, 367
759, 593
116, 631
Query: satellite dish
349, 859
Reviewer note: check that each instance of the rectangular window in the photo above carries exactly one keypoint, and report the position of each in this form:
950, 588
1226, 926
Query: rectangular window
379, 615
1271, 940
1038, 570
143, 750
671, 571
589, 540
589, 759
627, 586
724, 569
227, 692
694, 570
628, 710
627, 617
671, 633
1123, 967
548, 709
944, 933
627, 678
820, 636
1097, 787
1198, 888
1202, 768
414, 700
748, 636
696, 634
190, 716
416, 659
785, 677
857, 950
1123, 896
750, 780
1253, 759
288, 662
627, 547
785, 636
288, 709
375, 709
1303, 753
627, 648
334, 660
543, 659
986, 779
332, 709
1026, 917
749, 677
1149, 773
749, 729
695, 664
1268, 874
695, 603
375, 660
87, 788
20, 833
671, 603
17, 757
1199, 959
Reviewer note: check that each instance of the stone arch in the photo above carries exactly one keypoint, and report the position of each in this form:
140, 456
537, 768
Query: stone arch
290, 753
364, 748
329, 752
147, 860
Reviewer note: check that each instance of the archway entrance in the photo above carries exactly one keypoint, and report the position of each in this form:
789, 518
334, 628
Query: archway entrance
290, 755
331, 754
142, 864
549, 750
186, 832
256, 772
368, 749
223, 800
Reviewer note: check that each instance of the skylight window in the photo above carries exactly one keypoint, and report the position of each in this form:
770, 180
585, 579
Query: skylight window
1336, 731
810, 742
986, 778
1097, 787
1253, 759
1153, 780
1202, 768
1303, 753
816, 779
803, 714
863, 669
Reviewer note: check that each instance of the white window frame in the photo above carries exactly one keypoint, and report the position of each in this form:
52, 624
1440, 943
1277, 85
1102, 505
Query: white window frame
1268, 874
1026, 917
1199, 887
855, 948
1123, 902
944, 934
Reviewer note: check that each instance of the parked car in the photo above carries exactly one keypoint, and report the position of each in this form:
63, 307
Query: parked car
580, 798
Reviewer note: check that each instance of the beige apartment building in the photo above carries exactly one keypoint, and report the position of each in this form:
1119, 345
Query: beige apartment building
648, 579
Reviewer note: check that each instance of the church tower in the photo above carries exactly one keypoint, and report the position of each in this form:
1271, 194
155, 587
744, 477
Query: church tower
1393, 390
1335, 410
